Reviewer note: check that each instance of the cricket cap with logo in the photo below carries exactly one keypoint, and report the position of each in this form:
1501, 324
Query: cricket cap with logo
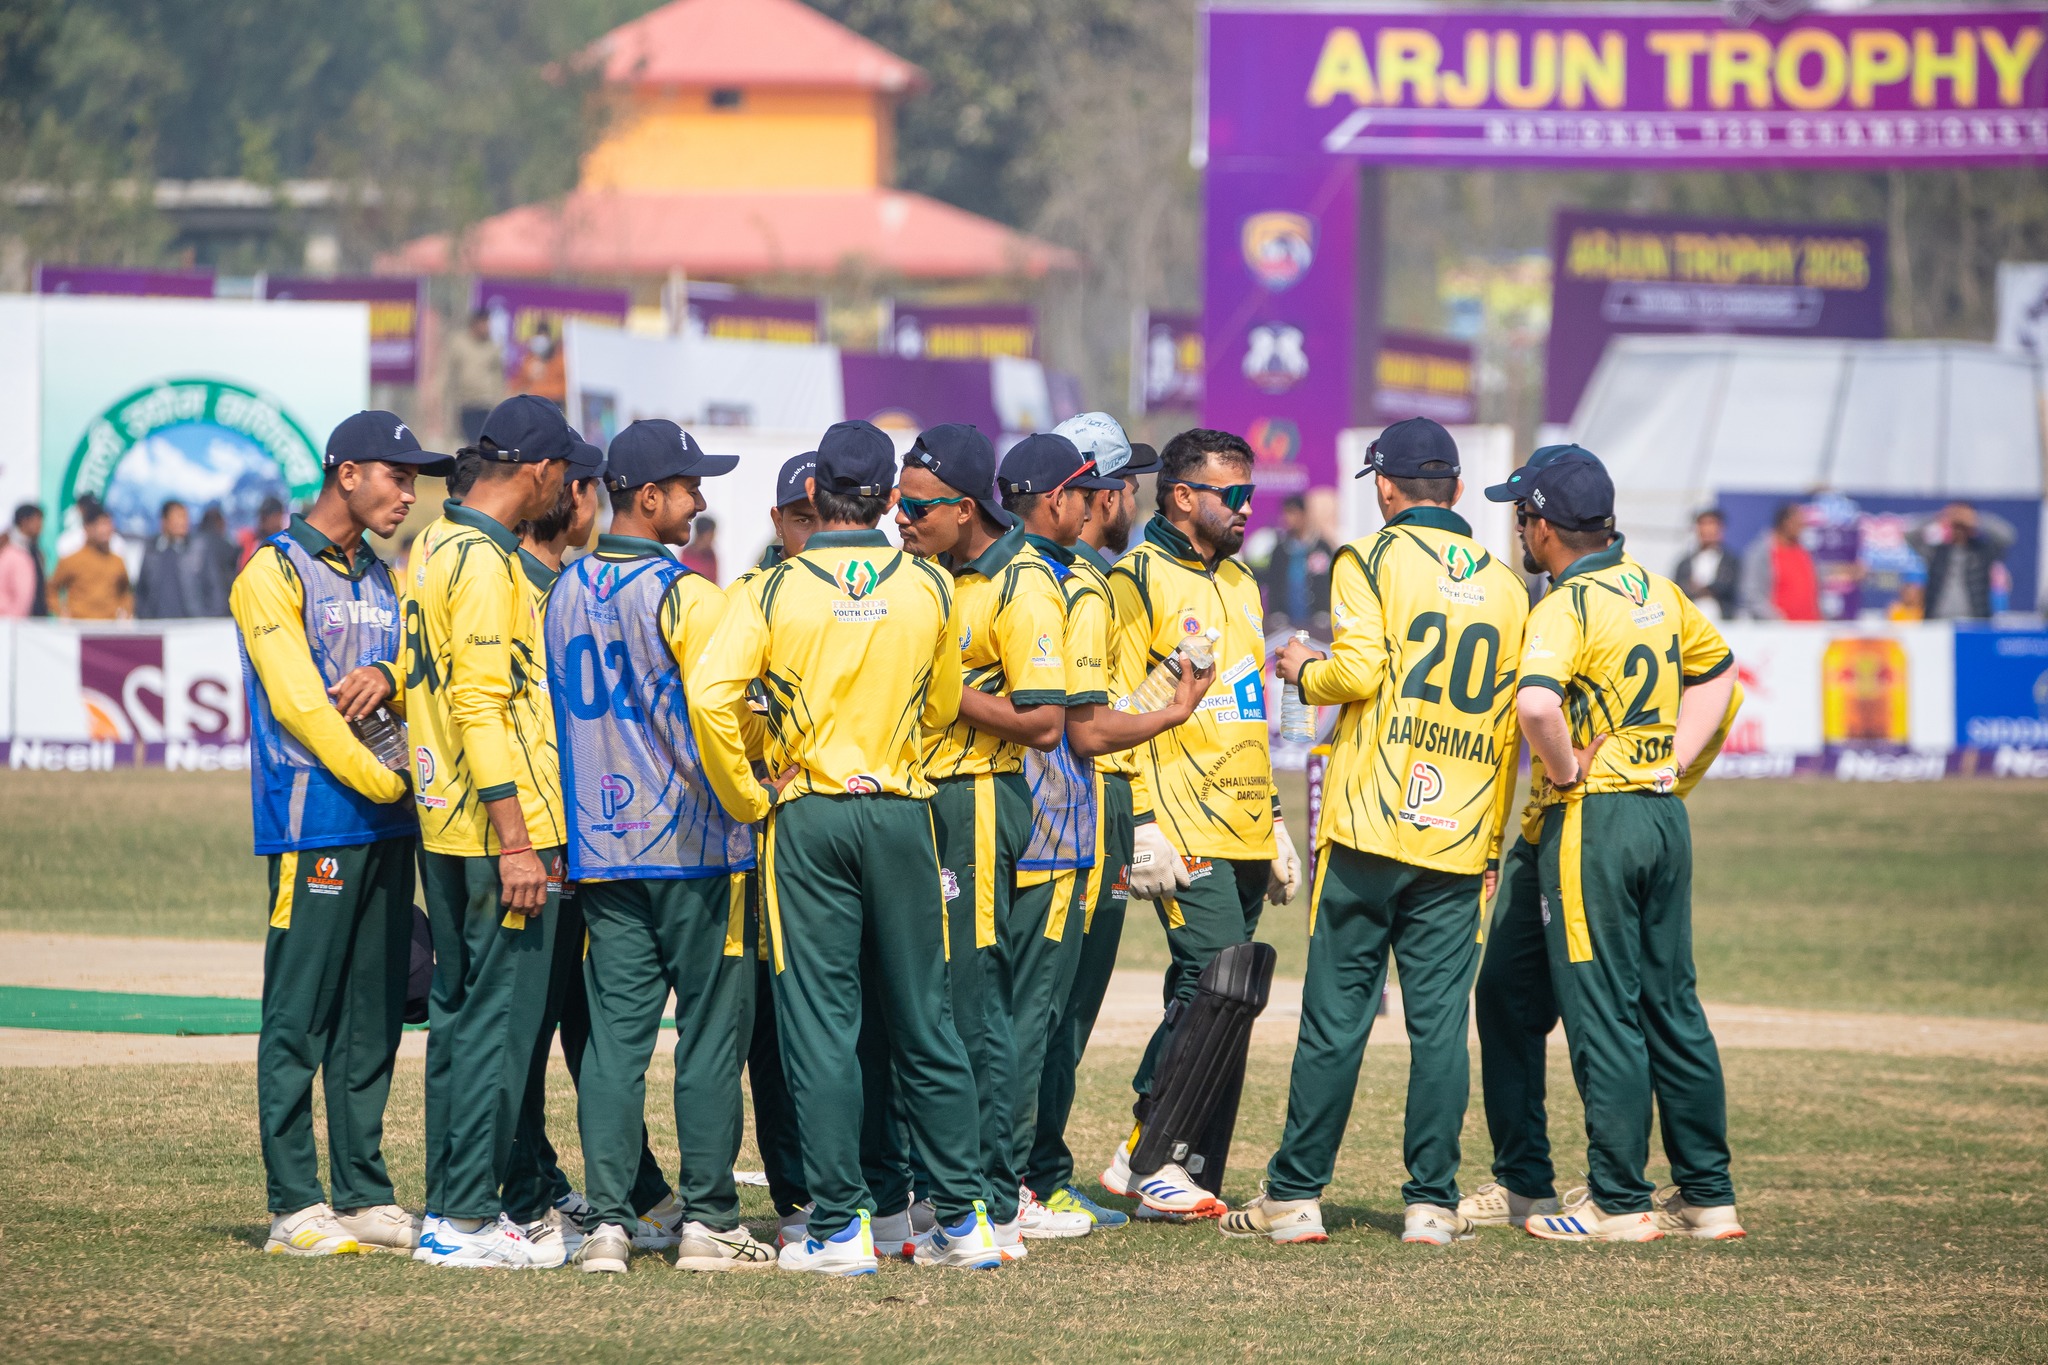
1517, 486
588, 461
1413, 449
526, 429
1045, 462
960, 457
856, 457
1103, 437
378, 436
1572, 491
653, 449
797, 470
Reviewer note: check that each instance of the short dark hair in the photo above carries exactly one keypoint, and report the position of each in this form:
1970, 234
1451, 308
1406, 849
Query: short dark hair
96, 512
1785, 510
855, 509
1294, 502
169, 503
1190, 450
556, 520
472, 464
1442, 492
1021, 505
1706, 512
622, 498
25, 511
1582, 542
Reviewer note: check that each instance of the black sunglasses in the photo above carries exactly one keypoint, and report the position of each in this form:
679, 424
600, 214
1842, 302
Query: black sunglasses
1234, 497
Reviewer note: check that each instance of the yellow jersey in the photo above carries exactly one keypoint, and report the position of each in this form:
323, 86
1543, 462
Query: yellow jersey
852, 640
1209, 781
473, 650
1009, 624
1618, 644
1428, 634
534, 704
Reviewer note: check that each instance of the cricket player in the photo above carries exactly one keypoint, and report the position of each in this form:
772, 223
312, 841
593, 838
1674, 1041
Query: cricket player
659, 865
316, 611
1421, 774
1212, 843
1623, 684
1009, 624
775, 1129
854, 643
490, 806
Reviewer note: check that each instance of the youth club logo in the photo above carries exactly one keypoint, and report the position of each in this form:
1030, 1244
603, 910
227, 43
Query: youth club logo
1278, 247
325, 878
858, 577
1425, 786
1636, 584
614, 794
1454, 583
1460, 562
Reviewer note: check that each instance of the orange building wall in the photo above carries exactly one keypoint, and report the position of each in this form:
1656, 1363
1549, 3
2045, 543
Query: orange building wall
669, 140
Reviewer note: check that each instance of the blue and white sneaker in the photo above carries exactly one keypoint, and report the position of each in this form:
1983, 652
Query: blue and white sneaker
969, 1244
574, 1208
496, 1245
1171, 1189
1068, 1199
850, 1251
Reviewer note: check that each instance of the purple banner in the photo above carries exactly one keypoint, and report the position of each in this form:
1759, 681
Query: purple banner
1280, 258
909, 395
962, 332
108, 279
1613, 274
520, 309
395, 312
1423, 376
1627, 87
748, 317
1166, 361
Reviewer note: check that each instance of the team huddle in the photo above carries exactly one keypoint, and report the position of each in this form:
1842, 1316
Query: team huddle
872, 817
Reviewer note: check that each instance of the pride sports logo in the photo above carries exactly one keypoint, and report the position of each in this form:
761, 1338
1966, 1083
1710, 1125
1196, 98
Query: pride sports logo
614, 794
1425, 786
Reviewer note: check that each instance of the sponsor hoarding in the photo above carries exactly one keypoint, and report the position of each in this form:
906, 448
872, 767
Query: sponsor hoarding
396, 305
109, 279
1423, 376
919, 331
1166, 361
2001, 689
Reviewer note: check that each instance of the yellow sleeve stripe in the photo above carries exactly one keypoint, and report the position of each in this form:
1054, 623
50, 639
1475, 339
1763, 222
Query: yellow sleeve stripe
287, 879
984, 861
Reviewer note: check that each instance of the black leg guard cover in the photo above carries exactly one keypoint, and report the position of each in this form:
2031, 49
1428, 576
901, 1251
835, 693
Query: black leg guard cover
1195, 1088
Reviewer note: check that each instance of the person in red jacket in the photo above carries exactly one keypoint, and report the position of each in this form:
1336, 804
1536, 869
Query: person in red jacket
1779, 581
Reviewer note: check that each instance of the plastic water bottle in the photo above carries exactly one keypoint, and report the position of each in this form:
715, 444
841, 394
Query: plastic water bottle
383, 736
1297, 717
1157, 690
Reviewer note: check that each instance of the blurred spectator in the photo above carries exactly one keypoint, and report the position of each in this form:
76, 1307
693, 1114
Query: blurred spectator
476, 374
1779, 581
17, 577
1296, 580
28, 533
1959, 545
701, 553
1909, 605
178, 573
223, 552
543, 371
91, 583
271, 517
1707, 573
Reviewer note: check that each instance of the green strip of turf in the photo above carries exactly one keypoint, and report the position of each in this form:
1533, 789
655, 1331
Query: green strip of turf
182, 1016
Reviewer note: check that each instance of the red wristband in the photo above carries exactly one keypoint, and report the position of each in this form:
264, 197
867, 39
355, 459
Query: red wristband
508, 852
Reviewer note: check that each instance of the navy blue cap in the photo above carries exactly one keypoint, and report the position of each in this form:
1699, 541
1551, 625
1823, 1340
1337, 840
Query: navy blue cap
856, 457
526, 429
1572, 492
380, 436
789, 484
1043, 462
1102, 436
1517, 486
1413, 449
588, 461
653, 449
959, 456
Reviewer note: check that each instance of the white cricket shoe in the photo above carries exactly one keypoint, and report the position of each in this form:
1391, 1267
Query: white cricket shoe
894, 1234
1494, 1205
495, 1244
661, 1227
312, 1231
551, 1240
705, 1248
1171, 1189
1582, 1220
605, 1251
1282, 1220
1036, 1220
574, 1208
1116, 1177
382, 1227
1706, 1222
1009, 1240
1434, 1225
850, 1251
969, 1244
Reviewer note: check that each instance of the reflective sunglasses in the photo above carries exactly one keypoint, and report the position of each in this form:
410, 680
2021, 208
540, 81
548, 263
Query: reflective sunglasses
914, 509
1234, 497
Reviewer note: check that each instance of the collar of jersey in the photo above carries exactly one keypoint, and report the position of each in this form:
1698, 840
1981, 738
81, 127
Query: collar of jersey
537, 570
1168, 537
770, 557
477, 521
1083, 550
320, 547
630, 547
1594, 562
1438, 518
845, 540
990, 562
1051, 549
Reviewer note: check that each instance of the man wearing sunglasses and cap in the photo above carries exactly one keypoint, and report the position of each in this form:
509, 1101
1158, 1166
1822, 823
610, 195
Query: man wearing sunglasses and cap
316, 611
1421, 776
1211, 845
854, 644
1623, 685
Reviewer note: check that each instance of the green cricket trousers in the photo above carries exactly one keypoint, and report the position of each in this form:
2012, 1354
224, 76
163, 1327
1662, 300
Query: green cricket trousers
1220, 907
649, 937
334, 976
1362, 907
491, 972
856, 924
1516, 1010
1616, 871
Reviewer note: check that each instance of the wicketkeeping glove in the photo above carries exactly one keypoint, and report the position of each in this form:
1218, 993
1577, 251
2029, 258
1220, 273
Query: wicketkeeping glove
1156, 866
1284, 877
